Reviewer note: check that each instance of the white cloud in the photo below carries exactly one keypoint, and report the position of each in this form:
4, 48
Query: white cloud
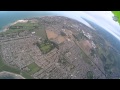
102, 18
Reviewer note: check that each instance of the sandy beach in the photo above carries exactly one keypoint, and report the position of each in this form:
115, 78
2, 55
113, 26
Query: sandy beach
18, 21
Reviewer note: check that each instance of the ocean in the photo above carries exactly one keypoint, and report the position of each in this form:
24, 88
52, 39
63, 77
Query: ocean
8, 17
7, 77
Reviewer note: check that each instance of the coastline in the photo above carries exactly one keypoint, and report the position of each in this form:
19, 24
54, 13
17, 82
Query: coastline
16, 75
5, 28
18, 21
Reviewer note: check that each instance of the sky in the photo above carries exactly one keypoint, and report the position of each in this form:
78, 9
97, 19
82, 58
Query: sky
102, 18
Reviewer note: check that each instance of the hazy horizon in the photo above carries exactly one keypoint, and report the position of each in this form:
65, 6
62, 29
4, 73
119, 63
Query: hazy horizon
102, 18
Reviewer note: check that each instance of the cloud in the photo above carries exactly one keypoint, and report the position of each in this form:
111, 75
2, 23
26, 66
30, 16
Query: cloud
104, 19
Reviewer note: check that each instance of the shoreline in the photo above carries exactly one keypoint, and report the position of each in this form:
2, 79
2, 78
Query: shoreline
18, 21
15, 75
5, 28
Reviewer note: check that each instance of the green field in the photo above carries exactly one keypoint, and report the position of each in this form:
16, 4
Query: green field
117, 13
9, 69
46, 46
33, 68
37, 27
20, 27
26, 75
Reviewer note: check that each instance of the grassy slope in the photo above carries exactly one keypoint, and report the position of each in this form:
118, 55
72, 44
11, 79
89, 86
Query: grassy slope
117, 13
27, 26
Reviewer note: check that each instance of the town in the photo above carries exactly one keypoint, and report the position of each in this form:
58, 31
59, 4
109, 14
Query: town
49, 48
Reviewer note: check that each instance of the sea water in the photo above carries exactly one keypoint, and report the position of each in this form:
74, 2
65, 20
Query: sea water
7, 17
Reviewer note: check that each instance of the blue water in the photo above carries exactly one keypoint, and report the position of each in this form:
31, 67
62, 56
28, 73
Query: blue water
7, 77
7, 17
